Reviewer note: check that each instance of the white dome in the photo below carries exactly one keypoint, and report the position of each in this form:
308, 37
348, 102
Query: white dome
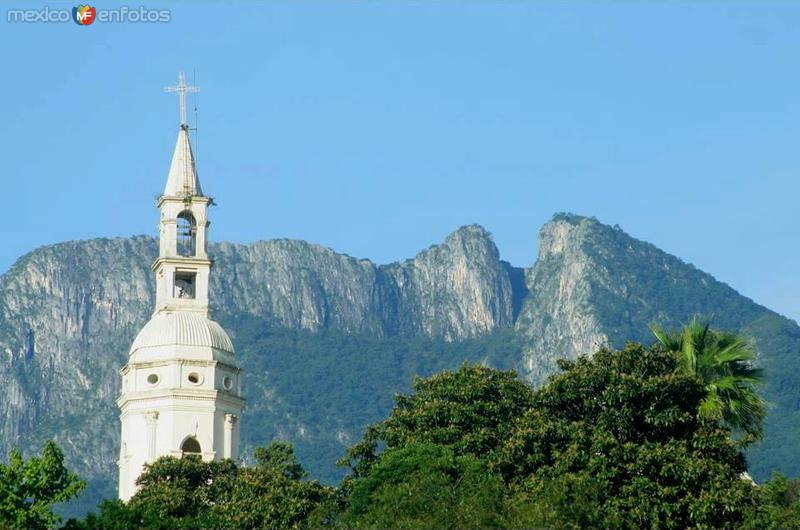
182, 329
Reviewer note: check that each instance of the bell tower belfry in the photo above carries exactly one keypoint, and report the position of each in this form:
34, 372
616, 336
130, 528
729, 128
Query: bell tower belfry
182, 268
181, 388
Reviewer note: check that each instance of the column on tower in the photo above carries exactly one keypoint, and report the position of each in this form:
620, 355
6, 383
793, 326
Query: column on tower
228, 444
151, 418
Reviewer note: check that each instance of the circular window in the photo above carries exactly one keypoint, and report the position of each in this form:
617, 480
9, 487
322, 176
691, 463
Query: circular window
152, 379
195, 378
227, 382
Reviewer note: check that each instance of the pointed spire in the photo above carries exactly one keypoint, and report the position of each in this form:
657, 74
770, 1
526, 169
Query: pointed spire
182, 178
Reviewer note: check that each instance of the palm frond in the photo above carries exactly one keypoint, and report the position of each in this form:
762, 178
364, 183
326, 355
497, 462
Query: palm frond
711, 407
669, 342
724, 363
735, 351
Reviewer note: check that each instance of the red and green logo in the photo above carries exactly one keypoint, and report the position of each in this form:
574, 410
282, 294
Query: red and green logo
83, 15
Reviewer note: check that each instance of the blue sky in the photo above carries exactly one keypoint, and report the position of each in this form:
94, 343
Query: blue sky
377, 128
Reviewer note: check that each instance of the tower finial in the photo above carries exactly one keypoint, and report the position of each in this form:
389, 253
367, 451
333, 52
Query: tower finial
182, 88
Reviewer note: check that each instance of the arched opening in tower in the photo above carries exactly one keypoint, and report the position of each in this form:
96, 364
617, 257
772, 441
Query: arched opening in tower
191, 446
187, 234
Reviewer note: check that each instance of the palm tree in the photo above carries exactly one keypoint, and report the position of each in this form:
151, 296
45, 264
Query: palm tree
723, 362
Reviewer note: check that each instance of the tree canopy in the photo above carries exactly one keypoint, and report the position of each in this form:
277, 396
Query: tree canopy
612, 441
617, 435
29, 488
424, 485
188, 493
471, 411
279, 457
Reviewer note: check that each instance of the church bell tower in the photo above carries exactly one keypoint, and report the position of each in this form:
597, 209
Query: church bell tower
181, 388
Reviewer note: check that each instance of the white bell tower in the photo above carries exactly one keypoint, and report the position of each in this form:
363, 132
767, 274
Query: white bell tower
181, 387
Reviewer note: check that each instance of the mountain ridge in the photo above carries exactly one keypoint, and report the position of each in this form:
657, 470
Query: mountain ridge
69, 311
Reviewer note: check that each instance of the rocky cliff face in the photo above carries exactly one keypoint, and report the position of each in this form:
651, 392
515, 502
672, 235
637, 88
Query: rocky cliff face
558, 319
68, 313
455, 290
297, 285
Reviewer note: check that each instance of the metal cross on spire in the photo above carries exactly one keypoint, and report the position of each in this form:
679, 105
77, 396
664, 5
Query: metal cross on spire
182, 88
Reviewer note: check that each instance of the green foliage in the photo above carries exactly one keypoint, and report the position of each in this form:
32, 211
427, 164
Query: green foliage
615, 442
188, 493
724, 364
178, 492
612, 442
779, 506
426, 486
262, 498
29, 488
279, 457
470, 411
439, 442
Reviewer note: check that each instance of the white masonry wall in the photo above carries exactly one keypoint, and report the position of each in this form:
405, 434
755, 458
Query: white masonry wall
157, 418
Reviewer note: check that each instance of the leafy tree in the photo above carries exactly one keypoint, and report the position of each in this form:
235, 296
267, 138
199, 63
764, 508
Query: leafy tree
174, 493
471, 411
778, 507
178, 492
615, 442
265, 498
279, 457
28, 489
426, 486
723, 362
187, 493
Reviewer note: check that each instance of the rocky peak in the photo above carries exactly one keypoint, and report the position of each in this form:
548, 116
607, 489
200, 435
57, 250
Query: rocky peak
595, 285
557, 318
563, 233
468, 237
454, 290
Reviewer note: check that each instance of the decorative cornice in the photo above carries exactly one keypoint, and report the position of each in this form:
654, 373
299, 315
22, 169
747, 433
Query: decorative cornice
180, 395
179, 361
182, 199
180, 260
